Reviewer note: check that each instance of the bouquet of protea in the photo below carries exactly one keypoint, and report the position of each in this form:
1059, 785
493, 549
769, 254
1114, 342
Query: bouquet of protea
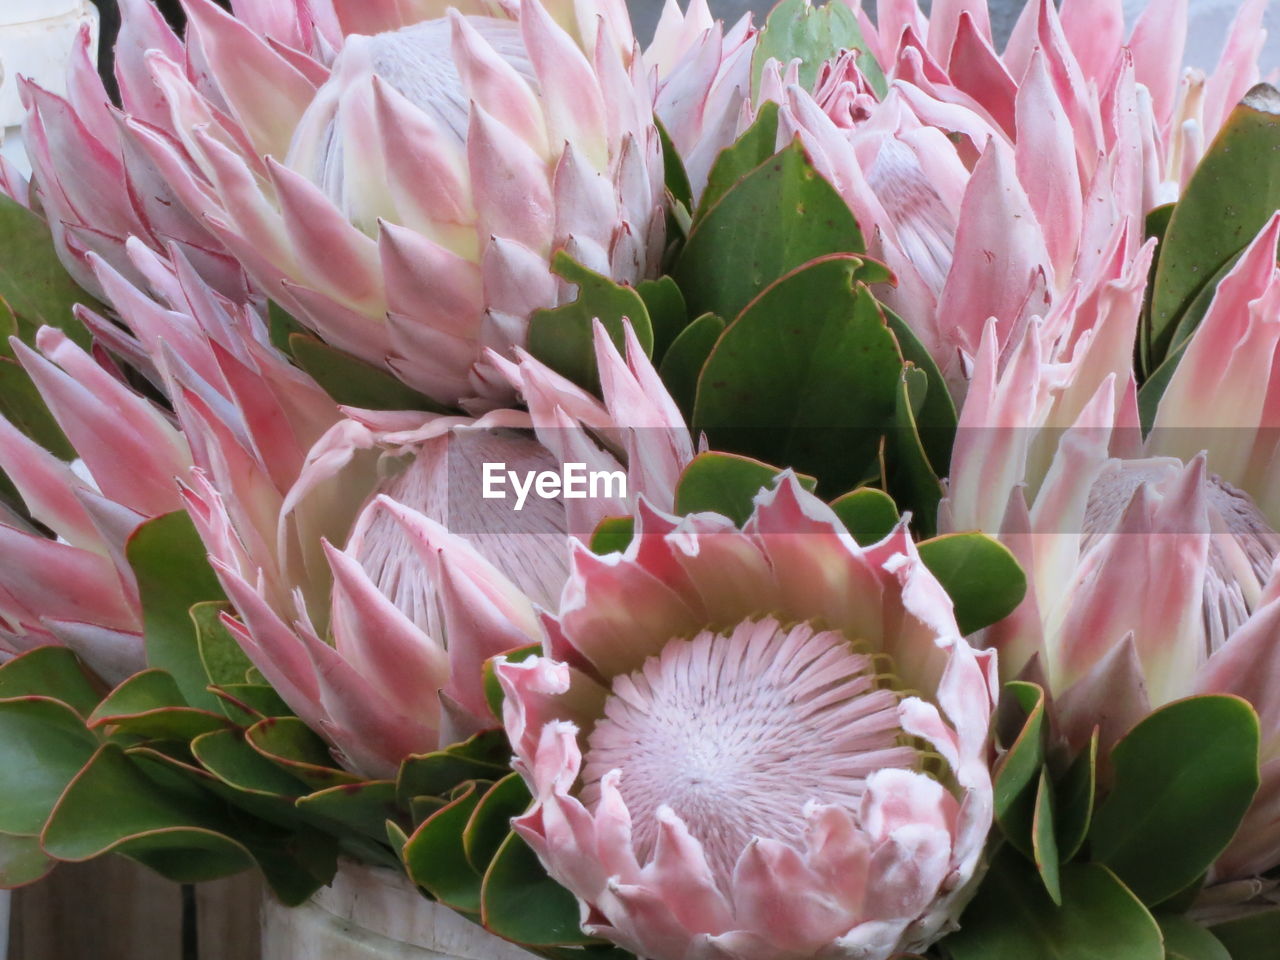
785, 493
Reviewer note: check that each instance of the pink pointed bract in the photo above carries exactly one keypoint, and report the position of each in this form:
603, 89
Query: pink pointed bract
720, 741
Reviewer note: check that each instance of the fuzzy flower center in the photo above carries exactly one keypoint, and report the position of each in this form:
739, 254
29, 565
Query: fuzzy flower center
737, 732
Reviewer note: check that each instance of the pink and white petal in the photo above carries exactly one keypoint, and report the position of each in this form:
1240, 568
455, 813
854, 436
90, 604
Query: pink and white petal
130, 449
382, 643
62, 582
616, 614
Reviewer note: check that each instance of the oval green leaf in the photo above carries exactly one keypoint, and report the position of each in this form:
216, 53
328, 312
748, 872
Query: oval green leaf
984, 580
1182, 780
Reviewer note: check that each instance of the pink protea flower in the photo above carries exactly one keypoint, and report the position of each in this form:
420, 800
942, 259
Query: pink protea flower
326, 526
401, 193
76, 588
370, 577
213, 361
704, 83
756, 743
1012, 185
1151, 563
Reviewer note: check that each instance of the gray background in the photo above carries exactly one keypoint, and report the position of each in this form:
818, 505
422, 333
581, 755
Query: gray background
1208, 22
646, 12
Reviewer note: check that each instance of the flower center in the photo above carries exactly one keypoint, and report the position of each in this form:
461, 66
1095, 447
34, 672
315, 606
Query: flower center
737, 732
444, 482
926, 229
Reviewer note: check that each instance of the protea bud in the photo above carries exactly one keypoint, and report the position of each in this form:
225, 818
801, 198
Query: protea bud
766, 742
1151, 563
405, 202
400, 192
1012, 185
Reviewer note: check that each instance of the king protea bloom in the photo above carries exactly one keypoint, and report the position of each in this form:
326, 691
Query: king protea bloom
370, 576
75, 588
400, 192
327, 526
1152, 563
1012, 185
704, 83
757, 743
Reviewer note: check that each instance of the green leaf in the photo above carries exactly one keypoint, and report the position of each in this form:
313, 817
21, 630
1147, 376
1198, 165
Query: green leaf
935, 419
521, 903
1012, 918
1020, 719
21, 860
149, 704
225, 754
1075, 798
1183, 779
113, 805
795, 29
224, 662
1253, 937
52, 672
1184, 939
867, 513
351, 381
364, 807
612, 535
757, 144
484, 757
33, 282
1044, 841
490, 822
907, 470
291, 745
562, 337
173, 575
281, 325
1153, 389
1230, 197
776, 218
727, 484
983, 579
685, 358
667, 313
8, 328
676, 178
1157, 224
247, 703
43, 745
814, 388
435, 860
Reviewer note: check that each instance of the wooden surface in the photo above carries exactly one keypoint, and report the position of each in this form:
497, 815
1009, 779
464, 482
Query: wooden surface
112, 909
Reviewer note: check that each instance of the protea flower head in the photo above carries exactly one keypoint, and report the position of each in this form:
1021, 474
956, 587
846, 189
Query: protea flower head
76, 587
400, 192
1017, 184
704, 83
1152, 563
766, 742
370, 576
